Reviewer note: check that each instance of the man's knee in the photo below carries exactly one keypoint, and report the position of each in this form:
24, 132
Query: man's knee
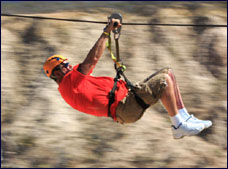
166, 70
170, 72
168, 75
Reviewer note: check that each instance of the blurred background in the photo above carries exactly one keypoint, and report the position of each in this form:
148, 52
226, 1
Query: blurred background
38, 129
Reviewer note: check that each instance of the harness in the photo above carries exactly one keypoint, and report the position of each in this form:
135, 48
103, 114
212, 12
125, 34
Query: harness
120, 68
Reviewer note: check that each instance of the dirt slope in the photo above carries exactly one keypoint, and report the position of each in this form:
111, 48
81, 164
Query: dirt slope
38, 129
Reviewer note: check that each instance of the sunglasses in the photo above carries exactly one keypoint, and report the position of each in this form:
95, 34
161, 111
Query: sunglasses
57, 68
65, 64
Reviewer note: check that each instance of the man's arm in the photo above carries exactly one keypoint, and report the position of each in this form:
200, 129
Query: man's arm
97, 50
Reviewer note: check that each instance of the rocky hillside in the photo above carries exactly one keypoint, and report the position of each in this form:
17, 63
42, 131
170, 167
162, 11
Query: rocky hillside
38, 129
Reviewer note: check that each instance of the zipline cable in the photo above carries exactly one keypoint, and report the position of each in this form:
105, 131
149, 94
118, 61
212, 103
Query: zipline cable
99, 22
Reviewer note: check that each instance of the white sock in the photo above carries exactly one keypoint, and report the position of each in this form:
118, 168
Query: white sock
184, 114
176, 120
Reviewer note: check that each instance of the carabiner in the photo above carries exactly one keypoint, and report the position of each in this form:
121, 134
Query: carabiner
117, 30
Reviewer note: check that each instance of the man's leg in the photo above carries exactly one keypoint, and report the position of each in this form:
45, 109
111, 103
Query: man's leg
179, 101
180, 105
172, 102
160, 85
168, 97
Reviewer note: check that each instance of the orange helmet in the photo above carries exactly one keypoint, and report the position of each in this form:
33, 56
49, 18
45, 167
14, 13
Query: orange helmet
52, 62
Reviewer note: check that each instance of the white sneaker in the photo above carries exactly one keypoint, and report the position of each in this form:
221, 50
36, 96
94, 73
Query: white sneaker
187, 129
192, 119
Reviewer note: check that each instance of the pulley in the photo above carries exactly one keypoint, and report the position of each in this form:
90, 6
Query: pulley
117, 30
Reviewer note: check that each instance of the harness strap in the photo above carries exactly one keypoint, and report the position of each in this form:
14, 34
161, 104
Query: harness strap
112, 94
130, 86
139, 100
120, 68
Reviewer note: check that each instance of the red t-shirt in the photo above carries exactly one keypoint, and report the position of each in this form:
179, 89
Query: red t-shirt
89, 94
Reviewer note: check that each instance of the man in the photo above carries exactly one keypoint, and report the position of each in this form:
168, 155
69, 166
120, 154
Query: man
90, 94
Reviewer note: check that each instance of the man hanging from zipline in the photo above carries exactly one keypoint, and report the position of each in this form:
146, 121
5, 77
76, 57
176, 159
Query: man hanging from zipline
92, 95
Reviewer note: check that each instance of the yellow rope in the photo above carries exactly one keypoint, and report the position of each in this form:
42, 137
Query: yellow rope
118, 64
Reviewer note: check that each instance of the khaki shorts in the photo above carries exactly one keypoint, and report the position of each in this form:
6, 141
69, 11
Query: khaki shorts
150, 90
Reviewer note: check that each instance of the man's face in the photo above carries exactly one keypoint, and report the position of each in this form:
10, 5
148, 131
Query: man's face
62, 69
65, 67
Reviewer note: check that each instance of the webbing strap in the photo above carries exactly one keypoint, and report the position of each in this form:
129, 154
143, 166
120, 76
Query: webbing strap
120, 68
117, 63
138, 99
112, 94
